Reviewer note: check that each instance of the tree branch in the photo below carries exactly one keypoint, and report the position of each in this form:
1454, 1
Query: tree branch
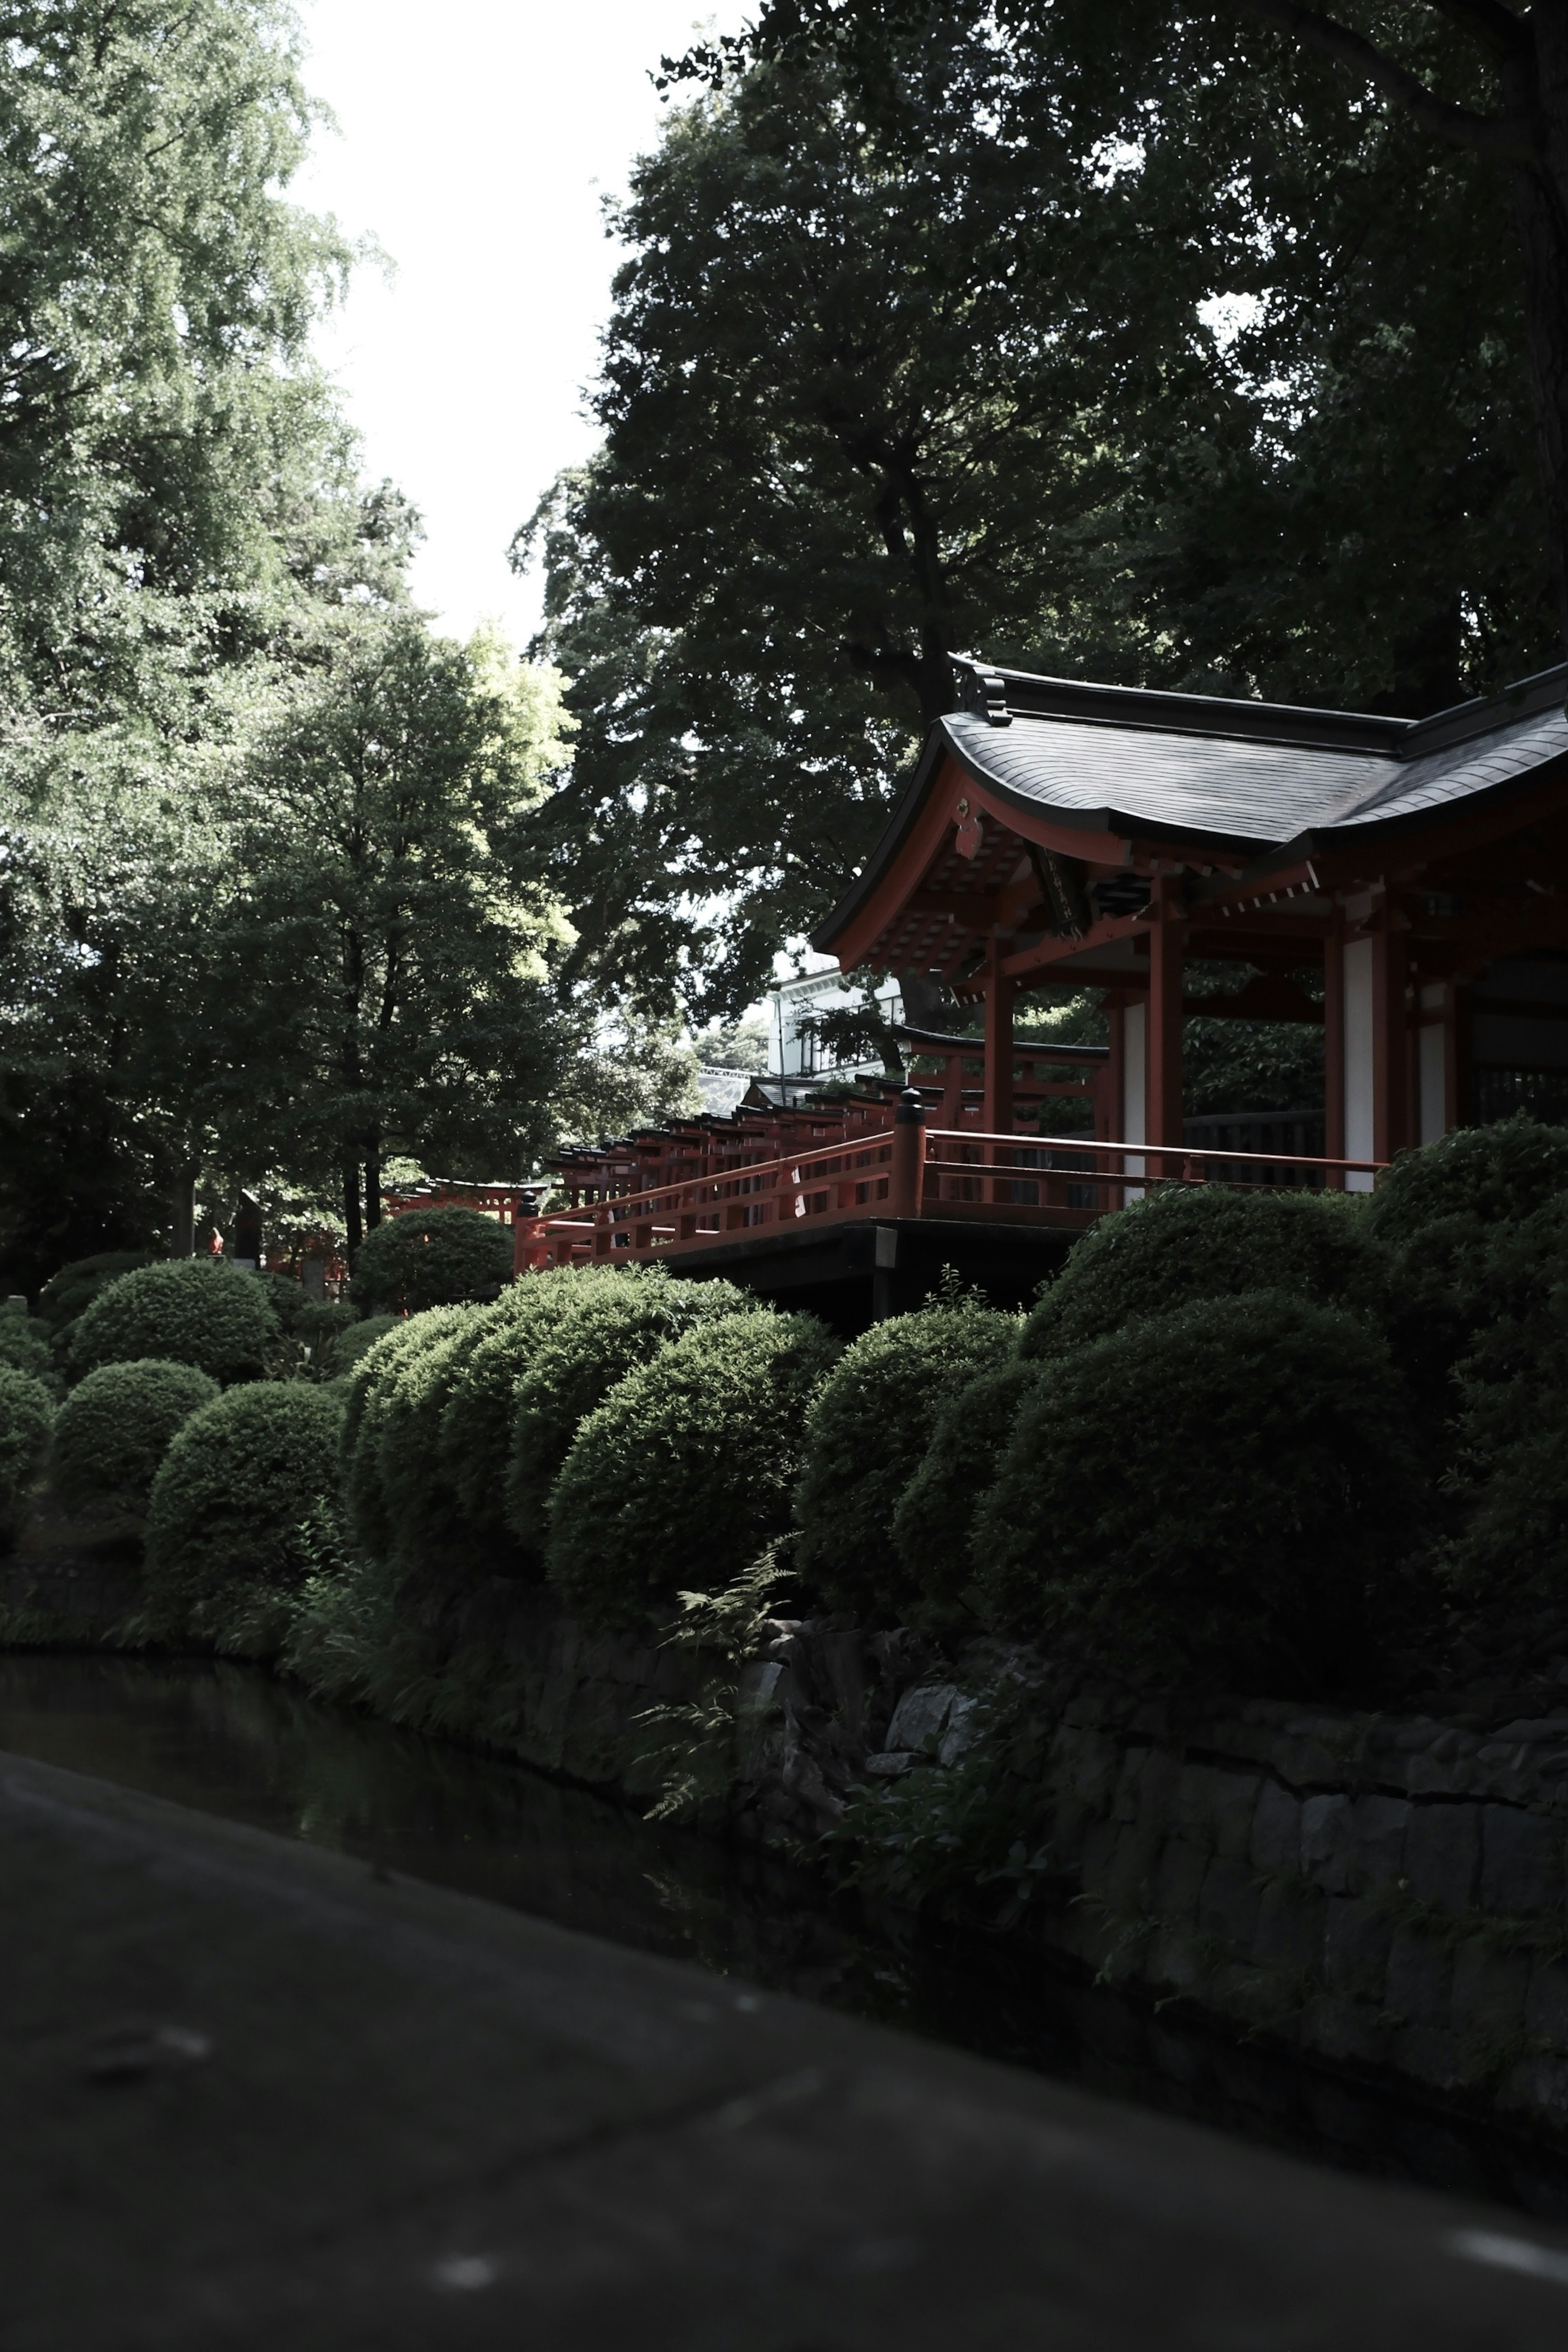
1504, 137
1503, 34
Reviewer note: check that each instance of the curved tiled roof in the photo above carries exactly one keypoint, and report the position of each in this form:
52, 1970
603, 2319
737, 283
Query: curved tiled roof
1248, 793
1259, 777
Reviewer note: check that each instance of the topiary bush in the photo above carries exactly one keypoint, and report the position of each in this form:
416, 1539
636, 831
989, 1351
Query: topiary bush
1493, 1174
74, 1287
224, 1547
1230, 1487
866, 1432
188, 1311
934, 1522
340, 1349
369, 1390
437, 1259
689, 1466
476, 1427
116, 1426
27, 1414
1439, 1214
1202, 1241
26, 1347
611, 1327
1511, 1391
418, 1503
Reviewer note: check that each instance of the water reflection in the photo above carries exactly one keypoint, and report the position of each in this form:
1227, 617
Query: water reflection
229, 1739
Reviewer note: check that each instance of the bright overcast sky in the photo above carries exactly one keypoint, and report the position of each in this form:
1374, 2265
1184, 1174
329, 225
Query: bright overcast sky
475, 146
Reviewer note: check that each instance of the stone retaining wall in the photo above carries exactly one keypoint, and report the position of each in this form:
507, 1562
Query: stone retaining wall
1386, 1894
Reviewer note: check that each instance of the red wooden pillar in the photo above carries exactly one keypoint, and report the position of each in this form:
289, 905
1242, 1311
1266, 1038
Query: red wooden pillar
1390, 1036
1165, 1064
1334, 1046
999, 993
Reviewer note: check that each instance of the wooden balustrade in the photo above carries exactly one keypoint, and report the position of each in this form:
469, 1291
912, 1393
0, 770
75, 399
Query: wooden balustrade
906, 1171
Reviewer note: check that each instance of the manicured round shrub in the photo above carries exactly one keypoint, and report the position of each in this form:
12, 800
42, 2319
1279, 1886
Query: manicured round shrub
866, 1434
339, 1349
1222, 1487
1493, 1174
187, 1310
116, 1426
418, 1504
78, 1284
935, 1521
369, 1393
1444, 1216
1510, 1431
26, 1347
688, 1468
1205, 1242
431, 1259
26, 1413
224, 1549
612, 1327
476, 1427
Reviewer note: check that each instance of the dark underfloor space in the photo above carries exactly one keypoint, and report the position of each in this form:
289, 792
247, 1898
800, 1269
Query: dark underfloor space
232, 1741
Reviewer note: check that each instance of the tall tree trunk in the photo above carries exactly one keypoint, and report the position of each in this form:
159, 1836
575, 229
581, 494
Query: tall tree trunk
372, 1184
352, 1217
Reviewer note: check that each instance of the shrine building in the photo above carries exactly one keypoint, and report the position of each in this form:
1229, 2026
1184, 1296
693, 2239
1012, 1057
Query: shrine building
1403, 883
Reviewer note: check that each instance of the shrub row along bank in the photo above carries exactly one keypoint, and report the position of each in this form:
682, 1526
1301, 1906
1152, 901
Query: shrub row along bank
1268, 1438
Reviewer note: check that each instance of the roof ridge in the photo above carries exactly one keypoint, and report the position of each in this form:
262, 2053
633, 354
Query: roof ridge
999, 695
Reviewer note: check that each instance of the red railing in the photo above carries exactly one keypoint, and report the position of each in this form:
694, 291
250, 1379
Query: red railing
909, 1170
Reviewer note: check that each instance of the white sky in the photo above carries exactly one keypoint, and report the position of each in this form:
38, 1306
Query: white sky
474, 147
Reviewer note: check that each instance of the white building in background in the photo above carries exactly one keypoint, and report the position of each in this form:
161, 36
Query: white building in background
795, 1050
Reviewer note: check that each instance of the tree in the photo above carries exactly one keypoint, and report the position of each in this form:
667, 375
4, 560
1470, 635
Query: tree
846, 432
1236, 408
378, 976
171, 460
1488, 81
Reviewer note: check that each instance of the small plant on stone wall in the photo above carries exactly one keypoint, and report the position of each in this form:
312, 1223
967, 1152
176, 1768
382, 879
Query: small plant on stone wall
965, 1839
694, 1740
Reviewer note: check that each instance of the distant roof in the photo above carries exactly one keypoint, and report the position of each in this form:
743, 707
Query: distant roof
1247, 776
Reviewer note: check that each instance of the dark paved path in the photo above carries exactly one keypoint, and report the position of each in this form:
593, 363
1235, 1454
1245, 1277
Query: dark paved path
255, 2096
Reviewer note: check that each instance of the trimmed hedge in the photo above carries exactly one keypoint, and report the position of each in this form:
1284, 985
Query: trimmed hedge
418, 1504
337, 1350
368, 1392
224, 1549
611, 1329
116, 1426
416, 1260
1512, 1432
1493, 1174
688, 1468
934, 1522
1225, 1486
1200, 1242
189, 1310
1443, 1214
865, 1437
76, 1284
475, 1428
27, 1414
26, 1347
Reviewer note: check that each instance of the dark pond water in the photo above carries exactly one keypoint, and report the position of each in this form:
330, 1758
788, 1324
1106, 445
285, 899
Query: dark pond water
229, 1739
